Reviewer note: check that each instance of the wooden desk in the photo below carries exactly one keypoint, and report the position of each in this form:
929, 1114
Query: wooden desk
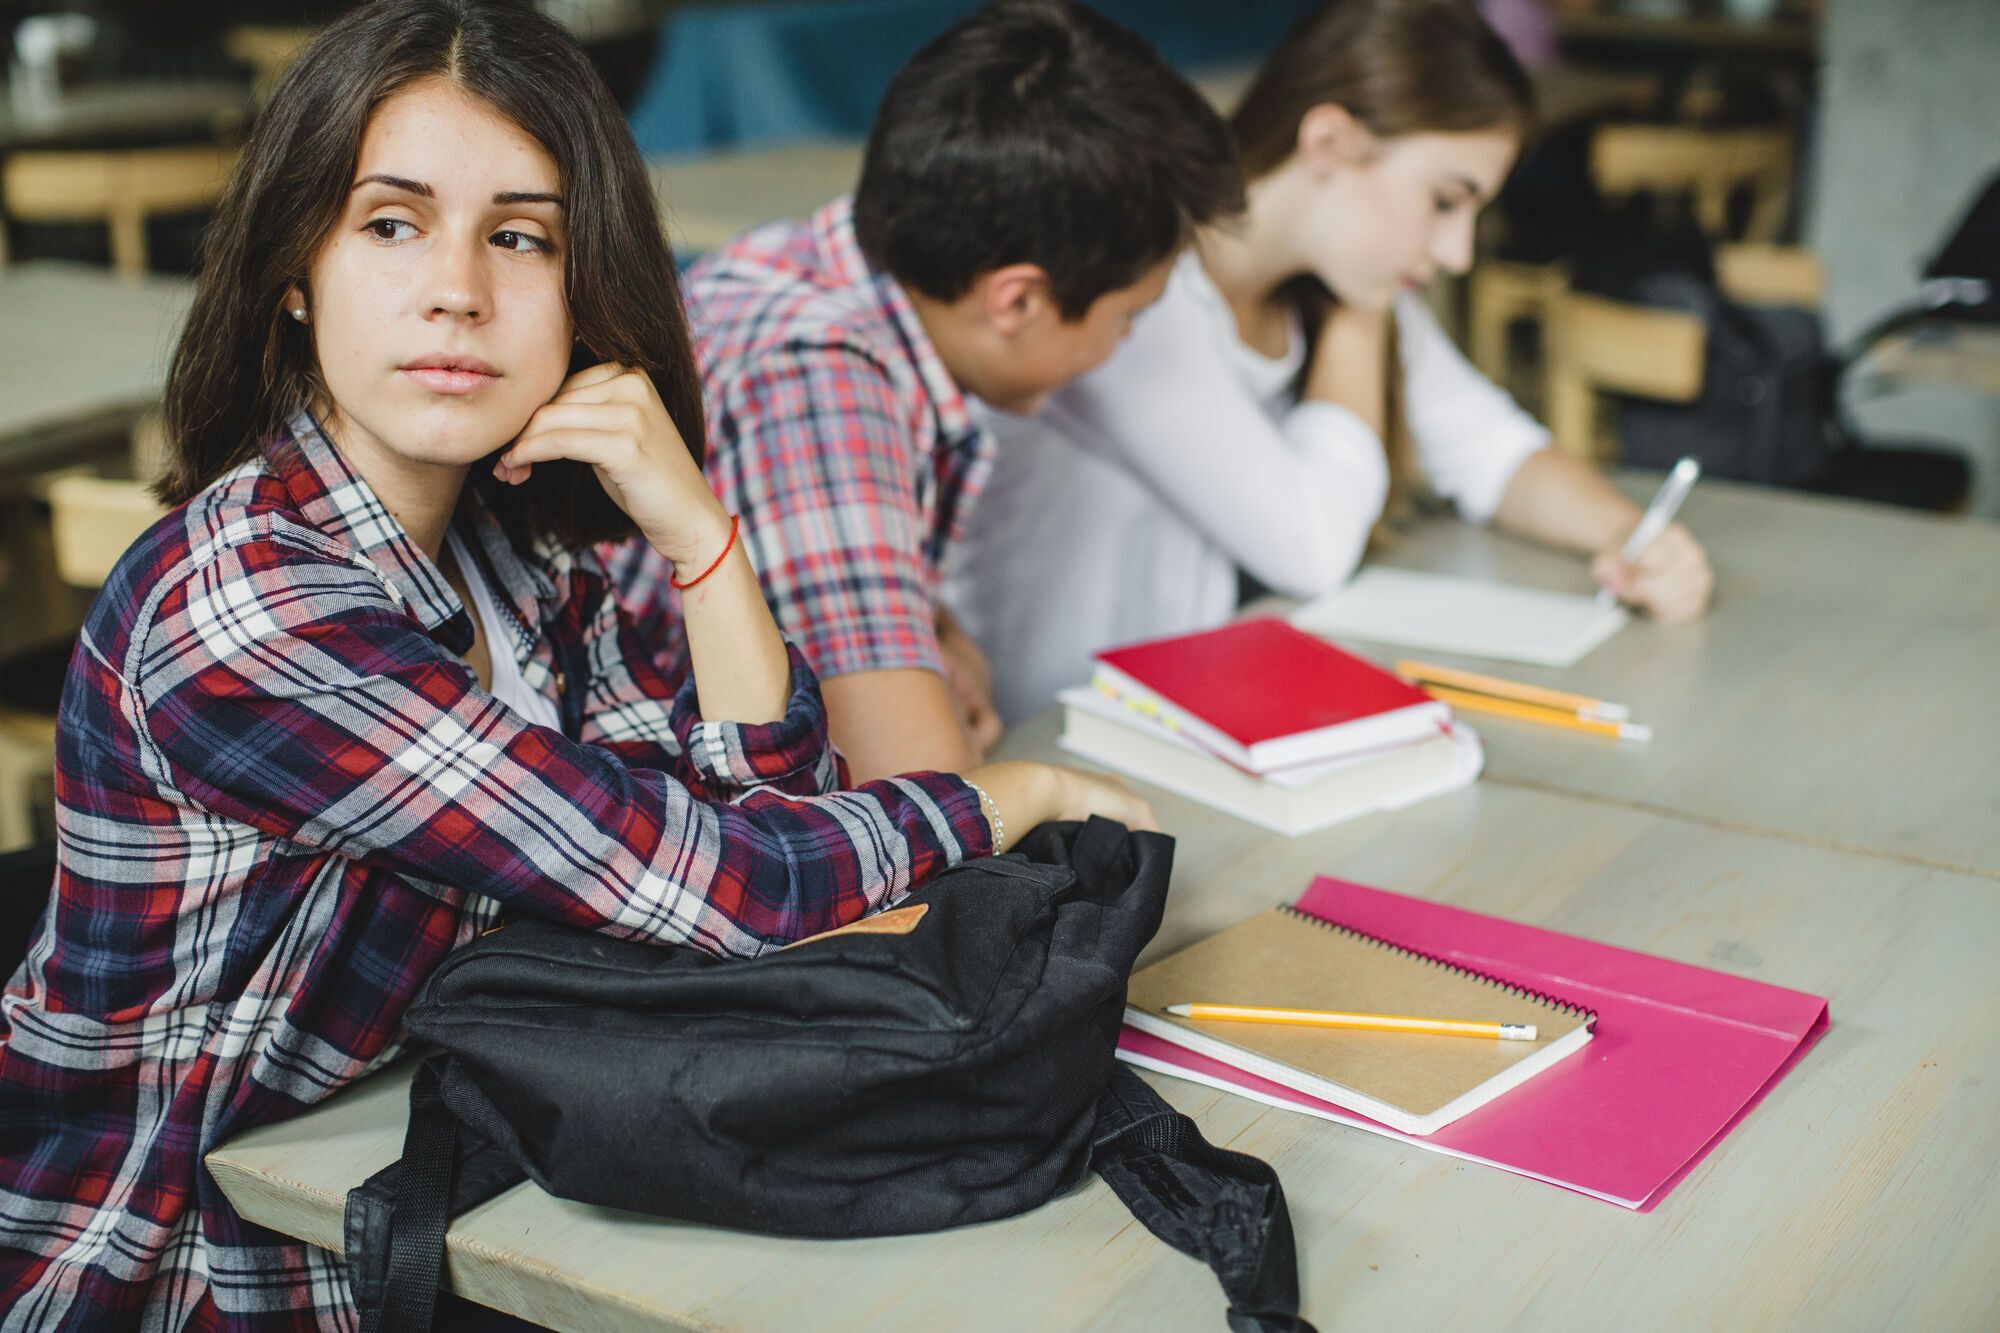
1839, 692
127, 112
712, 198
1858, 1195
82, 354
1951, 353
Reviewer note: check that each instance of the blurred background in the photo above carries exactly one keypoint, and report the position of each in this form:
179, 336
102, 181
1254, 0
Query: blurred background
1745, 228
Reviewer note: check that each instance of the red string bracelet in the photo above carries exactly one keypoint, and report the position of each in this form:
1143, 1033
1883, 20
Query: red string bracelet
727, 547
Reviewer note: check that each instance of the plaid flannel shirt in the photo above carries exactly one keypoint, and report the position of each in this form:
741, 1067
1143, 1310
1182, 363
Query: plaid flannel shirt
839, 436
283, 797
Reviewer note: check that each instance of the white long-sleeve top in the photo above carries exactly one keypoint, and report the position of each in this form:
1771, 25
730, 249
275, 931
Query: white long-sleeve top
1123, 509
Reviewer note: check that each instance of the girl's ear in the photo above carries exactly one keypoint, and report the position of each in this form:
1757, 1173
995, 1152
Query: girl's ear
1330, 138
295, 303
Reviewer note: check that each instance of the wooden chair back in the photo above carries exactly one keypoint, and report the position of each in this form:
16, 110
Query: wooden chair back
92, 520
120, 188
1706, 166
1598, 346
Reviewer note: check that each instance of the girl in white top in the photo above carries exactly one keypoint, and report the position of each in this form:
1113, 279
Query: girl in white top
1289, 389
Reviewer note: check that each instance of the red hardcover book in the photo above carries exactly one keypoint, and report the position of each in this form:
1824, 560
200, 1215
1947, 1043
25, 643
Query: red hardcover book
1265, 695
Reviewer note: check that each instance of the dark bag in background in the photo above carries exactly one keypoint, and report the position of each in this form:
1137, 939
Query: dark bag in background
947, 1062
1769, 409
1761, 415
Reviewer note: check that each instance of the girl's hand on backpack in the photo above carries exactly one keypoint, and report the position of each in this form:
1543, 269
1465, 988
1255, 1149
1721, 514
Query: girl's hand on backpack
1671, 580
611, 417
1029, 794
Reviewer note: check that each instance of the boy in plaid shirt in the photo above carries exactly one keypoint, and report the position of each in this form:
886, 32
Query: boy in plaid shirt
1031, 177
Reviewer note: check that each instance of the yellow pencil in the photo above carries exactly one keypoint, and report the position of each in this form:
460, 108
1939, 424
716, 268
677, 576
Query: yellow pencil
1319, 1018
1429, 673
1551, 717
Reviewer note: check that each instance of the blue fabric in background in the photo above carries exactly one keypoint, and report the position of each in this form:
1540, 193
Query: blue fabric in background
777, 71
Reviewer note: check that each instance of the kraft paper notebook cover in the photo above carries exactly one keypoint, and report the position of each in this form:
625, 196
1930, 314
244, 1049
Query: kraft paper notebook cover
1287, 959
1472, 616
1680, 1056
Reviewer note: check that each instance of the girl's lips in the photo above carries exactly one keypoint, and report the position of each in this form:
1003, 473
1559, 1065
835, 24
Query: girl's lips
440, 379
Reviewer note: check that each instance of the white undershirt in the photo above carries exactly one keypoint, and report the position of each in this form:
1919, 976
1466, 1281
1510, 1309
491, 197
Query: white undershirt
508, 686
1123, 509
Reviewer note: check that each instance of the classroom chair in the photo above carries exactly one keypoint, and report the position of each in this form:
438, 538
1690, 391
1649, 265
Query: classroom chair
1599, 346
269, 49
1704, 171
25, 876
120, 188
92, 521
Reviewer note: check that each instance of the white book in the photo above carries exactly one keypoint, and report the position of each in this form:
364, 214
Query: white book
1473, 617
1293, 803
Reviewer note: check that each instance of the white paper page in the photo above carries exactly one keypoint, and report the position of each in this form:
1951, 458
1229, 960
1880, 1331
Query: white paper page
1473, 617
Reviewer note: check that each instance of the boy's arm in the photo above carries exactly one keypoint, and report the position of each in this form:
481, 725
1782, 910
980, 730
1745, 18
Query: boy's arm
813, 447
896, 721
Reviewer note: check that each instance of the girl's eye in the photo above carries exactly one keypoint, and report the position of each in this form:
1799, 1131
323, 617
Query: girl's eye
385, 229
520, 241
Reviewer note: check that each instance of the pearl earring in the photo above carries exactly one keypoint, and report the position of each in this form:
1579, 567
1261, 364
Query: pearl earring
299, 313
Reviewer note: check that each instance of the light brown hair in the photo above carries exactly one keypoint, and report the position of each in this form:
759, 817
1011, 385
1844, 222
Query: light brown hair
1398, 67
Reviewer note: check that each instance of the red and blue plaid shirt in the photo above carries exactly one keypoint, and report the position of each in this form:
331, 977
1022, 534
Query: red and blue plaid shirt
283, 797
837, 433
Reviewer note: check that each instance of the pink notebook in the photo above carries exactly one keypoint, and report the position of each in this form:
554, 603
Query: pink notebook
1681, 1053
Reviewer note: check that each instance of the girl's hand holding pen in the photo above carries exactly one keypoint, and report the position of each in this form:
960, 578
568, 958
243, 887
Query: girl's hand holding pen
1670, 579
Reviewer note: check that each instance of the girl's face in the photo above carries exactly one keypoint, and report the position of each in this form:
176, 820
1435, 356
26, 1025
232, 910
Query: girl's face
436, 302
1385, 215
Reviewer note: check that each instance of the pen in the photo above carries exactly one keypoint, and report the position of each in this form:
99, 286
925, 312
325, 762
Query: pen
1428, 673
1318, 1018
1658, 514
1526, 712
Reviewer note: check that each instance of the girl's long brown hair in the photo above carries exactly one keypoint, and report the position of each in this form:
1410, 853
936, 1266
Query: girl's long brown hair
242, 367
1398, 67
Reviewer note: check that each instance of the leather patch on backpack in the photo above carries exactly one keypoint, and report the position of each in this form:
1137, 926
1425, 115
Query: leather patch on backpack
895, 921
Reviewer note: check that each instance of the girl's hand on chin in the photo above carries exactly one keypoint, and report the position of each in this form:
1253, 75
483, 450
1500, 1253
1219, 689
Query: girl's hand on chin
611, 417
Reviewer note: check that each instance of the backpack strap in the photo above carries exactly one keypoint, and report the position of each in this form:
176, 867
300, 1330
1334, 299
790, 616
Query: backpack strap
395, 1221
1225, 1208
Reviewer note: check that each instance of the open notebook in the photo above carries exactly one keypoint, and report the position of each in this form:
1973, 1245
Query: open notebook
1471, 616
1284, 958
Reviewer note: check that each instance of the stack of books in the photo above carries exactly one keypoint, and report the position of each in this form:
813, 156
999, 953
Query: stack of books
1269, 724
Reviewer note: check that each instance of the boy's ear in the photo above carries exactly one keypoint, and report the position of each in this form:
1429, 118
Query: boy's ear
1331, 138
1013, 298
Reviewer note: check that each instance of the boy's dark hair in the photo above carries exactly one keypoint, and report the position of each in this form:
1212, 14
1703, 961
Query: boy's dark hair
1037, 131
242, 369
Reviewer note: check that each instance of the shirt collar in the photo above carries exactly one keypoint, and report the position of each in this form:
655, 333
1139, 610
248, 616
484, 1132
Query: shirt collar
833, 228
335, 499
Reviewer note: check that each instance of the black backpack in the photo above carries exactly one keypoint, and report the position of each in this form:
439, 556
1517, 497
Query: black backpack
947, 1062
1770, 408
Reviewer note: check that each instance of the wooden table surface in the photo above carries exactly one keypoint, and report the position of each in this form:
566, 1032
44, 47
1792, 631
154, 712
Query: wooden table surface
125, 112
82, 354
1839, 692
1858, 1195
710, 198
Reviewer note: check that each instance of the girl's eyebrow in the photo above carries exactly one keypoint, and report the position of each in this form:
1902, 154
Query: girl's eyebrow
420, 188
527, 197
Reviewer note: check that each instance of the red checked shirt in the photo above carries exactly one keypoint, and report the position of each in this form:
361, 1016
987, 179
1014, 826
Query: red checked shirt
838, 435
283, 797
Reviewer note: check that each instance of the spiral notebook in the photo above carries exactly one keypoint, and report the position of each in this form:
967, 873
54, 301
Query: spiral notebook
1285, 958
